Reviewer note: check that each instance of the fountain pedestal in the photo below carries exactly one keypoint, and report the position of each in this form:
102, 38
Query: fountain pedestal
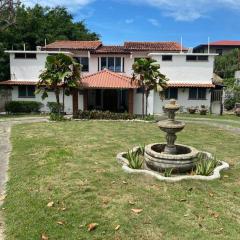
162, 156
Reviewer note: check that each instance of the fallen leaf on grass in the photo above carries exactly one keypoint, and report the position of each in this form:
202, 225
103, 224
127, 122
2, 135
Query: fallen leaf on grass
124, 182
183, 200
131, 202
117, 227
2, 197
211, 194
44, 237
92, 226
50, 204
225, 176
137, 210
60, 223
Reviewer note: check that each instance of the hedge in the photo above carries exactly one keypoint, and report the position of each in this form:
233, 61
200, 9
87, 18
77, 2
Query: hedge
23, 107
94, 114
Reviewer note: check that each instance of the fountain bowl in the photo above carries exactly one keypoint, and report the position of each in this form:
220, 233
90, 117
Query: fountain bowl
183, 160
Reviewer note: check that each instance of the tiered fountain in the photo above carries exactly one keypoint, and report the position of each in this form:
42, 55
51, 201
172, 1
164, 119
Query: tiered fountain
162, 156
177, 158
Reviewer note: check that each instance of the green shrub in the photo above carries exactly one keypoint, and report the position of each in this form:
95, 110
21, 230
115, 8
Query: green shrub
229, 103
95, 114
54, 107
56, 117
135, 159
205, 165
23, 107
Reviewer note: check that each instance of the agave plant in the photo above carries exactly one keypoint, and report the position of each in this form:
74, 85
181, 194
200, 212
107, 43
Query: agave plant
135, 160
168, 172
205, 166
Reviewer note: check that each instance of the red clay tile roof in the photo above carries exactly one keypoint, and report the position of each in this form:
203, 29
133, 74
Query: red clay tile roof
14, 83
186, 84
153, 46
225, 43
108, 79
78, 45
112, 49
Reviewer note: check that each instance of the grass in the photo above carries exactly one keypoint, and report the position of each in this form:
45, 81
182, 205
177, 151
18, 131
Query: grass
8, 116
210, 116
73, 164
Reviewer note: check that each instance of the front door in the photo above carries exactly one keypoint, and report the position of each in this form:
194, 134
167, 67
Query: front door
110, 100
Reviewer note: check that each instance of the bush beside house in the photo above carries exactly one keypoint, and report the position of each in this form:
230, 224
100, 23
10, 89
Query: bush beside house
23, 107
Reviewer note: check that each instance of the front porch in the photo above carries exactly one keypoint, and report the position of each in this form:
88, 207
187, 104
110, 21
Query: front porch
113, 100
107, 91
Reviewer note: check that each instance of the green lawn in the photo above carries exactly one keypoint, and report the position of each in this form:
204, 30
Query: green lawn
210, 116
73, 164
8, 116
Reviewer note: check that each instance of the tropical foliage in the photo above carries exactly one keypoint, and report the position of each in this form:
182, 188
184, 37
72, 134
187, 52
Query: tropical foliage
135, 159
61, 72
33, 25
147, 73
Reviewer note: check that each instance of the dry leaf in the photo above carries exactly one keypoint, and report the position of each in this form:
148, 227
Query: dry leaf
211, 194
92, 226
50, 204
183, 200
130, 202
225, 176
2, 197
117, 227
60, 222
124, 182
137, 210
44, 237
113, 182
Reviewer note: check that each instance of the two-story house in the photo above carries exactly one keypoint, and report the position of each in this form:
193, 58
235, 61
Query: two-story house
107, 72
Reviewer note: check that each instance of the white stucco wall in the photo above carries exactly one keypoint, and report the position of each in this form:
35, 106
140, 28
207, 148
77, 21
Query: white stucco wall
51, 98
182, 100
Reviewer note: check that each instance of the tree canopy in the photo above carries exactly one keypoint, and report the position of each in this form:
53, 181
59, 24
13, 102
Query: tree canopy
33, 25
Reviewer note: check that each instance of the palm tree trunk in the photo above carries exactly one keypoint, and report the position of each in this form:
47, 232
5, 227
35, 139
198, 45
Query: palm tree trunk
63, 99
143, 104
58, 101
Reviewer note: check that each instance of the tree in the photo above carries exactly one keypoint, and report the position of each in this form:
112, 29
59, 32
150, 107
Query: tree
8, 13
34, 25
61, 72
147, 72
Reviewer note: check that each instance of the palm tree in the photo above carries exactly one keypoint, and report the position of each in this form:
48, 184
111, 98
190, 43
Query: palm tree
61, 72
147, 72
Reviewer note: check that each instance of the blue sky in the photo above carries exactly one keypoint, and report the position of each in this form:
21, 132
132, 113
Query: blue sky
156, 20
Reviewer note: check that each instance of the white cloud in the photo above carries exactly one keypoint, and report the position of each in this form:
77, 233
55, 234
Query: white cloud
189, 10
129, 21
154, 22
72, 5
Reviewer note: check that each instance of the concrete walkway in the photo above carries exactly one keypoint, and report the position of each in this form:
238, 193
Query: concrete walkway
5, 150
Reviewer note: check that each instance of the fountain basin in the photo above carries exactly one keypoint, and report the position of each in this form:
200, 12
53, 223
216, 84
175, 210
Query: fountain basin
183, 160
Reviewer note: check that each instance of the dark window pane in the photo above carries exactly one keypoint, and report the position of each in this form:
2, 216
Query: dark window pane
85, 64
19, 55
202, 58
103, 63
117, 64
201, 93
219, 51
140, 90
111, 63
123, 63
192, 93
22, 91
30, 91
173, 93
31, 55
191, 58
166, 93
166, 57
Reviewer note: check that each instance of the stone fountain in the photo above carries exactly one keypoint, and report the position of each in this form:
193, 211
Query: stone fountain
162, 156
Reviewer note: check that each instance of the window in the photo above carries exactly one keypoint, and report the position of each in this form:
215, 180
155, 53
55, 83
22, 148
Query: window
140, 90
166, 57
26, 92
84, 61
25, 55
171, 93
219, 51
197, 93
196, 58
112, 63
